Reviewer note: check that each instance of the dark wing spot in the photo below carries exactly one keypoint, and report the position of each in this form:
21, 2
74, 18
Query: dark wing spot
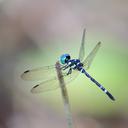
36, 86
26, 71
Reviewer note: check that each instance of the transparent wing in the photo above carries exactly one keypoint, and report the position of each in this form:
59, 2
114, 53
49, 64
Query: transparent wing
69, 78
42, 73
87, 62
46, 86
53, 83
82, 50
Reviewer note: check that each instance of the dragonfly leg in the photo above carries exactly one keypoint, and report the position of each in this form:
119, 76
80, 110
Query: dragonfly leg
65, 67
69, 71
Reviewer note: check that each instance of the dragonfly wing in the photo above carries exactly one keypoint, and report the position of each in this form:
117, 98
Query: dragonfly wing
69, 78
53, 83
43, 73
45, 86
82, 50
87, 62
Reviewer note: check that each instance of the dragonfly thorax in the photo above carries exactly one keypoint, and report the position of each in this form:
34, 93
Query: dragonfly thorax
74, 63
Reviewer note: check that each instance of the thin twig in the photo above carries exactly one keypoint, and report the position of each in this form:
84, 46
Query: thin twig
64, 96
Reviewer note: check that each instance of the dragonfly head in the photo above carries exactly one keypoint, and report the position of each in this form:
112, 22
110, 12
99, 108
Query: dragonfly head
64, 58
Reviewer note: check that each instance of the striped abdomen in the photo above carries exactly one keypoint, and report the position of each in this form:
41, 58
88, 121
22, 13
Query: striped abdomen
98, 84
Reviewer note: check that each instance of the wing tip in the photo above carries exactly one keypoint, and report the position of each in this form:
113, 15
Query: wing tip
26, 71
23, 74
33, 89
36, 86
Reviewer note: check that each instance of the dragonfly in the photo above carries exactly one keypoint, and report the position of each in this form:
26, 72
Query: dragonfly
70, 68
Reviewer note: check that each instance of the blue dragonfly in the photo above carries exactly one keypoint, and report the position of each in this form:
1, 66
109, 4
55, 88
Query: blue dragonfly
70, 70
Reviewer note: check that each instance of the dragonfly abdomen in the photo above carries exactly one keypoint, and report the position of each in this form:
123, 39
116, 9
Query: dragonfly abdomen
98, 84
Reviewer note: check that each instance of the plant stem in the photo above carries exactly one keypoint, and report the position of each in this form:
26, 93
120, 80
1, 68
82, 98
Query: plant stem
64, 96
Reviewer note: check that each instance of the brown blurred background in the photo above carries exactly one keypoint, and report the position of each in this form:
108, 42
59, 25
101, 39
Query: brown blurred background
31, 31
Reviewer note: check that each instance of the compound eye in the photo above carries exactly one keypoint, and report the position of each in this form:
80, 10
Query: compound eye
67, 58
64, 58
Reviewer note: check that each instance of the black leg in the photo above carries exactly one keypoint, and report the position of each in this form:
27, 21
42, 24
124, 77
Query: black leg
64, 67
69, 71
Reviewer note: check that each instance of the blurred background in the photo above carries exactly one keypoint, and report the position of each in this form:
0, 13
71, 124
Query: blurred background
35, 33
